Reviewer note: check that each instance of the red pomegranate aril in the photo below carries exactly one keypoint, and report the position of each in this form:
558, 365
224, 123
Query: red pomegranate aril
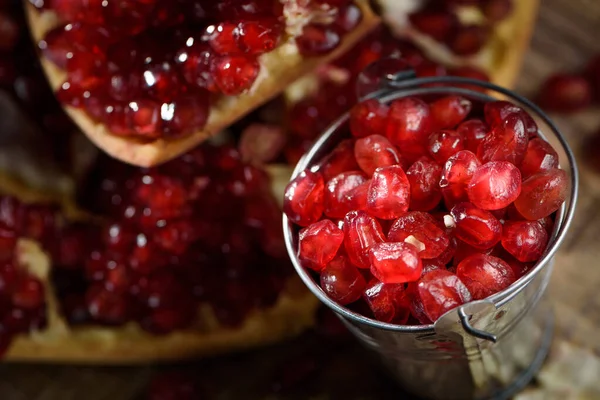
540, 156
319, 243
357, 197
389, 193
542, 194
28, 293
524, 240
496, 10
408, 126
175, 237
258, 37
496, 112
195, 63
422, 230
456, 175
449, 111
387, 301
505, 142
446, 256
547, 223
397, 262
565, 93
430, 69
444, 144
440, 291
235, 74
106, 306
304, 197
342, 282
375, 151
469, 39
361, 231
472, 131
348, 18
484, 275
339, 191
341, 159
437, 23
464, 250
495, 185
519, 269
368, 117
317, 40
424, 177
223, 38
476, 227
184, 115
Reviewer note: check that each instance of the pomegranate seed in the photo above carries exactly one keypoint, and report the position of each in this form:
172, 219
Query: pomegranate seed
342, 282
430, 69
317, 39
540, 156
476, 227
547, 223
444, 144
519, 269
387, 301
361, 231
542, 194
195, 63
565, 93
106, 306
303, 199
395, 262
438, 24
368, 118
28, 293
506, 142
469, 39
235, 74
348, 18
494, 185
408, 126
440, 291
456, 175
427, 236
223, 38
449, 111
319, 244
374, 72
484, 275
525, 240
341, 159
496, 10
423, 177
496, 112
175, 237
446, 256
339, 192
258, 37
464, 250
184, 115
375, 151
472, 131
389, 193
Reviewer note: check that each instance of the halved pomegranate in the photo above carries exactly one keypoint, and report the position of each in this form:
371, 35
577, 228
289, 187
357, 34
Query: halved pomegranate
147, 81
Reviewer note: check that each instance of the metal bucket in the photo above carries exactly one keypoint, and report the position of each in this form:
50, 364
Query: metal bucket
486, 349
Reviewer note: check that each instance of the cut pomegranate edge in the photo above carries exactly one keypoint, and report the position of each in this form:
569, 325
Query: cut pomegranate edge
58, 342
280, 70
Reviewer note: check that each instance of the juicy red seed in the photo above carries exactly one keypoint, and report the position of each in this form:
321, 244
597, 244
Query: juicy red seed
341, 159
505, 142
472, 131
342, 282
368, 118
449, 111
447, 255
424, 229
258, 37
409, 123
387, 301
28, 293
565, 93
195, 63
525, 240
235, 74
184, 115
496, 112
339, 191
444, 144
494, 185
542, 194
519, 269
547, 223
423, 177
456, 175
484, 275
361, 231
540, 156
389, 193
438, 24
223, 38
319, 243
106, 306
303, 199
464, 250
476, 227
440, 291
317, 40
496, 10
348, 18
395, 262
430, 69
375, 151
469, 39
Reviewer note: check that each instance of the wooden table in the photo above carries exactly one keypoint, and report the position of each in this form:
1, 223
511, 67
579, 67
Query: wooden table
567, 34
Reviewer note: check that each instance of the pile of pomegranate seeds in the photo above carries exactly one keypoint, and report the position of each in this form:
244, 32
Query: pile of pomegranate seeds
152, 69
203, 229
429, 206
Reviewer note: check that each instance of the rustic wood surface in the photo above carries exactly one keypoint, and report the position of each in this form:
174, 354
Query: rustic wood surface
566, 35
